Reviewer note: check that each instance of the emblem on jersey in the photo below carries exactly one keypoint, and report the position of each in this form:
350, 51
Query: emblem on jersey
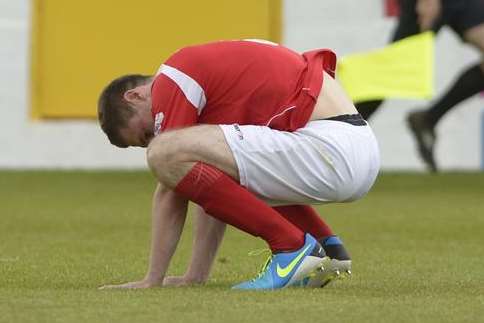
158, 121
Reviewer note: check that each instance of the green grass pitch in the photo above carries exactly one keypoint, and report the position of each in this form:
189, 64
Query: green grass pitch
417, 243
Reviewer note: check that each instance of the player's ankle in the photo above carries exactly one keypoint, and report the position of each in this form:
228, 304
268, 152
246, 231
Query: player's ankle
334, 248
292, 245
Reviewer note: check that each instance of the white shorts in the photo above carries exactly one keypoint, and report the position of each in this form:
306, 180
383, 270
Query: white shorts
326, 161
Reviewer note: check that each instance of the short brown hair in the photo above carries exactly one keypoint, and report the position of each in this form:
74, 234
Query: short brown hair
113, 110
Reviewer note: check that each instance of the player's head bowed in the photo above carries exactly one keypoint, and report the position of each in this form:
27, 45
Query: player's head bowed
124, 111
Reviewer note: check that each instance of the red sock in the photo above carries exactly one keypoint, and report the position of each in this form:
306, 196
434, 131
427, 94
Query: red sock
306, 219
221, 197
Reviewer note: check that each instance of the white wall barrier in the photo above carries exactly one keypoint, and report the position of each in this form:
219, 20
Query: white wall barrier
346, 26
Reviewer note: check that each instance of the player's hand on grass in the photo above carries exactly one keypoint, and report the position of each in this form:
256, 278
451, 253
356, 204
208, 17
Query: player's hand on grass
145, 283
179, 281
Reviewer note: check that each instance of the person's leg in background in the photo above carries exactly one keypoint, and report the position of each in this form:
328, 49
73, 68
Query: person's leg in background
468, 22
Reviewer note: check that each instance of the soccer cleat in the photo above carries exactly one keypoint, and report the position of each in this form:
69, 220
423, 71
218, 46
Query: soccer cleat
288, 268
424, 136
337, 268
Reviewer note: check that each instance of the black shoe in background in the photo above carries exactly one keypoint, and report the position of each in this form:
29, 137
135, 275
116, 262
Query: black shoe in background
424, 135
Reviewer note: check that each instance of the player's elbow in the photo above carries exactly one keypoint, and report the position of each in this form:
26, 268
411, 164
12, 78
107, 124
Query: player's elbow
154, 154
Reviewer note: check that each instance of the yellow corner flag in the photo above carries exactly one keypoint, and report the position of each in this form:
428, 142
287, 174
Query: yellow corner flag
403, 69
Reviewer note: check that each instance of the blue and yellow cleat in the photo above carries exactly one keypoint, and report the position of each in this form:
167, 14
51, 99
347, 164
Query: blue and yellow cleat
288, 268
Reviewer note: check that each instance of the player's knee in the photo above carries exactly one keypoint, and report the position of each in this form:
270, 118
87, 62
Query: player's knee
156, 151
163, 150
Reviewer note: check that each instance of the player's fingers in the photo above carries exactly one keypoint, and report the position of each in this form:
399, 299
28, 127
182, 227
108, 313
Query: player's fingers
105, 287
173, 281
127, 285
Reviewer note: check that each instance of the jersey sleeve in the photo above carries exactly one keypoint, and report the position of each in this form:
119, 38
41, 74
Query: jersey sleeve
170, 107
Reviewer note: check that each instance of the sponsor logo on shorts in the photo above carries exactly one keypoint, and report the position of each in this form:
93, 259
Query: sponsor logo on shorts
239, 132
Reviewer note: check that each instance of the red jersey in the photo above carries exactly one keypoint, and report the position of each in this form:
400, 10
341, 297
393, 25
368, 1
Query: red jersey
245, 82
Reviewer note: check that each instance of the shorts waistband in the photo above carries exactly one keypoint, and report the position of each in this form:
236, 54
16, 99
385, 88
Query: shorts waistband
353, 119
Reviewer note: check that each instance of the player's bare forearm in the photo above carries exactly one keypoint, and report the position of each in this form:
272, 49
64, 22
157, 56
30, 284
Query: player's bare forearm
168, 219
208, 236
169, 214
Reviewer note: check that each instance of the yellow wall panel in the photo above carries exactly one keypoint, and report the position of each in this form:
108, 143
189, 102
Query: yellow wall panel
78, 46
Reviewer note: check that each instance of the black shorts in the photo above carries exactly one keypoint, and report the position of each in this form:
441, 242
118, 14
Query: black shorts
460, 15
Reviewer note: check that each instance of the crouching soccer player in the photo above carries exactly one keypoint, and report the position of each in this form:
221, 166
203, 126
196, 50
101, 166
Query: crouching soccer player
237, 126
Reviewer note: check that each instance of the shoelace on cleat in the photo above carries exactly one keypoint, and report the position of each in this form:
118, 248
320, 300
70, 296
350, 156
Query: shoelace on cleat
268, 261
258, 252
